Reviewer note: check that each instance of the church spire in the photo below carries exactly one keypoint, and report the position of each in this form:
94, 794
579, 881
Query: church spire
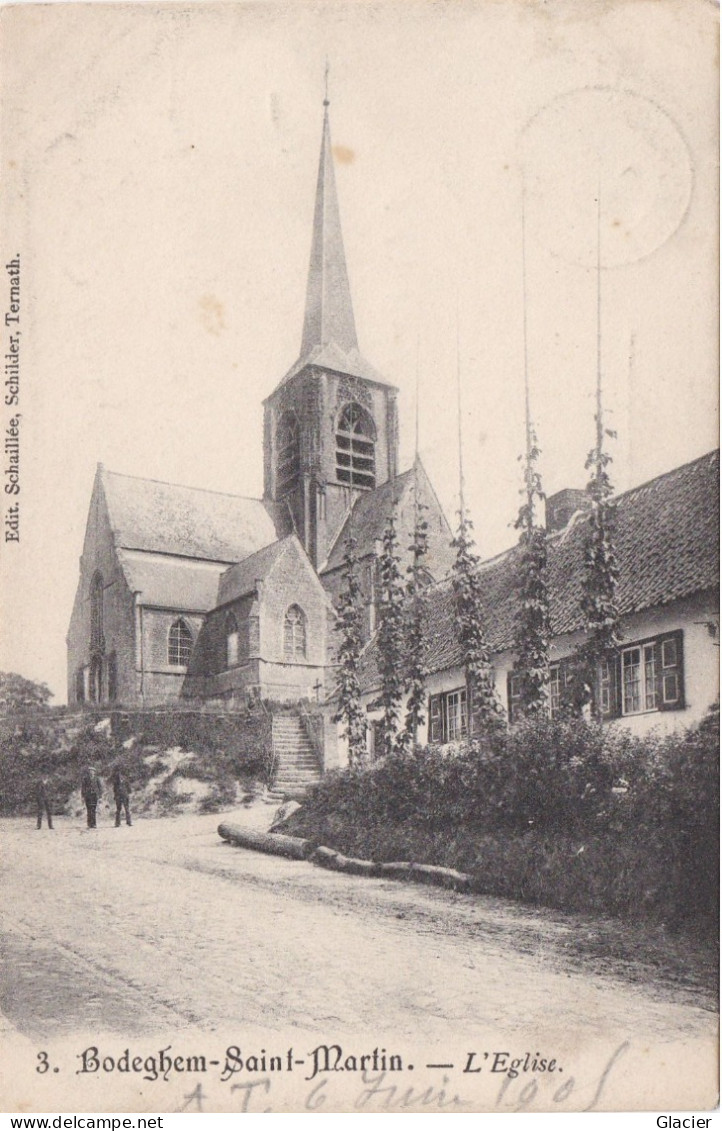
329, 313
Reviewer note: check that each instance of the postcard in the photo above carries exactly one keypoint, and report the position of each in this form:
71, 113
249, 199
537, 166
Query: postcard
359, 570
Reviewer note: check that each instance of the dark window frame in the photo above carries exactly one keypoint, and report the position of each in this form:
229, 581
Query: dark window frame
449, 717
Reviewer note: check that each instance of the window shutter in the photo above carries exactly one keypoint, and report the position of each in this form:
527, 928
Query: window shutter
510, 696
669, 672
435, 731
613, 707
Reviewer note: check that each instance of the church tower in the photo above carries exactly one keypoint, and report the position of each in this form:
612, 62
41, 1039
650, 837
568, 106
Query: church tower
331, 425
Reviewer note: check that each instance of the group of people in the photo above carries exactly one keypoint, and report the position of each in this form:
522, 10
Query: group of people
91, 790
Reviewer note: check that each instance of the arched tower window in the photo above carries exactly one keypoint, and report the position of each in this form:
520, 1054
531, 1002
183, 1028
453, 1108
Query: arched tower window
180, 644
355, 445
231, 641
96, 612
294, 634
288, 452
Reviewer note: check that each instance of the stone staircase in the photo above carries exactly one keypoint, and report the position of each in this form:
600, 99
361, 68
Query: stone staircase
298, 765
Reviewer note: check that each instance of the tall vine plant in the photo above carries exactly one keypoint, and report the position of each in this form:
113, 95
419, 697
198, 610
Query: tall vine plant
349, 626
532, 629
390, 636
600, 574
485, 708
415, 669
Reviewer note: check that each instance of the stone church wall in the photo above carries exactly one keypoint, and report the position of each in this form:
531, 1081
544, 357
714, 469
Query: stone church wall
161, 682
118, 612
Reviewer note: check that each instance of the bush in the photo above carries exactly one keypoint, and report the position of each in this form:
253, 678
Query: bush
562, 812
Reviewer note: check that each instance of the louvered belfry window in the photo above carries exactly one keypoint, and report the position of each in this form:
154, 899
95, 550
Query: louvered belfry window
355, 447
288, 453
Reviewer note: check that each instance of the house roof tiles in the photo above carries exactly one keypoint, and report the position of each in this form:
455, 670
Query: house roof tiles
667, 547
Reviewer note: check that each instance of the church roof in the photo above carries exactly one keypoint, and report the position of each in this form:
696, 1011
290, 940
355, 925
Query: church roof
166, 518
241, 578
166, 582
329, 328
667, 548
367, 519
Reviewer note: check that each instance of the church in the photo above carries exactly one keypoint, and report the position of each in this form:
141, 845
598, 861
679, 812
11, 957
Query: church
191, 594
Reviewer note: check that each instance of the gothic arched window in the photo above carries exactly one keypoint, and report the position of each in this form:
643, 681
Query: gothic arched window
355, 444
294, 634
231, 641
96, 679
112, 677
180, 644
96, 612
288, 452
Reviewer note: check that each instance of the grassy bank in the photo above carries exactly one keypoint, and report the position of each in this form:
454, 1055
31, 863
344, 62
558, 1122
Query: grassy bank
563, 815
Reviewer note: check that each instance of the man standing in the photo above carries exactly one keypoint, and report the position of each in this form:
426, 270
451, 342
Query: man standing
90, 791
121, 793
42, 797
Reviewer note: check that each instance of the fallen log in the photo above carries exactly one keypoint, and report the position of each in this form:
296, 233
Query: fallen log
276, 844
440, 877
395, 870
353, 866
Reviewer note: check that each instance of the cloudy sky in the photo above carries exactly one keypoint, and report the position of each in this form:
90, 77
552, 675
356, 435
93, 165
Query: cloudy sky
159, 165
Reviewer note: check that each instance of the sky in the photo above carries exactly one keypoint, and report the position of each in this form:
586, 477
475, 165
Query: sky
159, 167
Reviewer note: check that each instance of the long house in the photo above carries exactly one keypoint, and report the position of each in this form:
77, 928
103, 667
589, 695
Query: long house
665, 673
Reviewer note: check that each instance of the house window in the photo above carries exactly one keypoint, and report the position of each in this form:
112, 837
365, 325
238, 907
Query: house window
651, 675
448, 716
641, 677
180, 644
80, 686
514, 696
355, 444
288, 449
294, 634
96, 612
231, 641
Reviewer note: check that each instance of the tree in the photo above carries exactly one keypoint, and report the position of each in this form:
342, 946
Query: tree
485, 709
349, 625
20, 694
532, 628
415, 671
391, 629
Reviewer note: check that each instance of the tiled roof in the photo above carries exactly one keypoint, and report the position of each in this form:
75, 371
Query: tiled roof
187, 521
667, 547
367, 519
241, 578
171, 583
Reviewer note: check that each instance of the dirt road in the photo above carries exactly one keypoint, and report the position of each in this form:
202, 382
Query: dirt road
117, 935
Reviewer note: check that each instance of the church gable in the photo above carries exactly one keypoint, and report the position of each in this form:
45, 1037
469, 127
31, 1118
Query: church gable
267, 635
101, 637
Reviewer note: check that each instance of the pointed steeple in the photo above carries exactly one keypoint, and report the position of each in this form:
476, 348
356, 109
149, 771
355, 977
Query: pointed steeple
329, 316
